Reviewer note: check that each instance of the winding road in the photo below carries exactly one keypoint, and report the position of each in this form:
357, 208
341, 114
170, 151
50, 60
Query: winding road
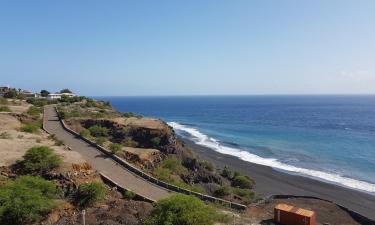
101, 162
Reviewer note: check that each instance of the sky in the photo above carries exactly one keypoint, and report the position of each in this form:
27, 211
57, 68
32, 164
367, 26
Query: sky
196, 47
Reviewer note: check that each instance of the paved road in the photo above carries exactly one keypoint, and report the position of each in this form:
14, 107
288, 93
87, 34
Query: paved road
101, 162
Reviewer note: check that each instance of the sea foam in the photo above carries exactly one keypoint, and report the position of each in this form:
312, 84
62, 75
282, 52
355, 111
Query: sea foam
203, 140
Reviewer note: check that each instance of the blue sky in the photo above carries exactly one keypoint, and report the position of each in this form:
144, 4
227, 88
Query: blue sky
189, 47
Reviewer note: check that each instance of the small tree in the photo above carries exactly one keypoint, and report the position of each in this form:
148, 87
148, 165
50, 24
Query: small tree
44, 93
89, 194
182, 209
26, 199
65, 90
40, 160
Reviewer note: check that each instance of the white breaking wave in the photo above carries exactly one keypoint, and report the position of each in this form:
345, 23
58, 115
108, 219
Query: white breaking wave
203, 140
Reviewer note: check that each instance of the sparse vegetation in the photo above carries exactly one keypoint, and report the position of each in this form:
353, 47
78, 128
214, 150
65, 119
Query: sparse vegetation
26, 200
184, 210
3, 101
34, 111
5, 135
5, 108
100, 140
89, 194
98, 131
130, 114
85, 133
56, 140
128, 195
31, 127
40, 160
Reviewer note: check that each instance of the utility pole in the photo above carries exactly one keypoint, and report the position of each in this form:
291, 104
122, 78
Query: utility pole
84, 217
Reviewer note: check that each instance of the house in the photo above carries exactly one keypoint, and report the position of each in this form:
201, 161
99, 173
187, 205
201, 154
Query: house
29, 94
54, 96
4, 90
60, 95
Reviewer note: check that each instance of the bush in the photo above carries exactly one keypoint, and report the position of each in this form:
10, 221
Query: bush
227, 173
40, 102
98, 131
100, 140
40, 160
26, 200
128, 114
129, 142
222, 192
242, 182
155, 141
244, 193
173, 164
208, 165
89, 194
114, 147
30, 128
34, 111
85, 133
129, 195
182, 210
5, 109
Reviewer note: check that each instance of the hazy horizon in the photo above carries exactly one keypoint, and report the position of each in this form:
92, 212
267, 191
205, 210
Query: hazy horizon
169, 48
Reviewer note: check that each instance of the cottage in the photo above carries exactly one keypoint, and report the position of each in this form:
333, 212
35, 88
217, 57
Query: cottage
54, 96
4, 90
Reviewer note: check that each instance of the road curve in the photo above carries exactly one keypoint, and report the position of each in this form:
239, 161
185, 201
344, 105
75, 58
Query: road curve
100, 161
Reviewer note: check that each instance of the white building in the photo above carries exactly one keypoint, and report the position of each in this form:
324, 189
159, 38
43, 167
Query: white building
54, 96
60, 95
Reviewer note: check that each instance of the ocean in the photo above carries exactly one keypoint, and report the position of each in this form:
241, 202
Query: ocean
329, 138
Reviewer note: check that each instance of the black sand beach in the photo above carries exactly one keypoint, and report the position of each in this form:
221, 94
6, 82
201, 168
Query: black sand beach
272, 182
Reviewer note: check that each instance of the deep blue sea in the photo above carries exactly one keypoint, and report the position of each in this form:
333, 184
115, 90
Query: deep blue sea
330, 138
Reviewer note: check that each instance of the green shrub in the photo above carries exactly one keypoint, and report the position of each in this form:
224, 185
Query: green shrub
128, 114
227, 173
222, 192
242, 182
98, 131
5, 108
34, 111
174, 165
26, 199
182, 210
246, 194
100, 140
30, 128
115, 147
89, 194
40, 160
85, 133
155, 141
40, 102
129, 195
129, 142
208, 165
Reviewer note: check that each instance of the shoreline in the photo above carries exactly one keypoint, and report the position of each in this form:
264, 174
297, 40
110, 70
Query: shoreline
274, 182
